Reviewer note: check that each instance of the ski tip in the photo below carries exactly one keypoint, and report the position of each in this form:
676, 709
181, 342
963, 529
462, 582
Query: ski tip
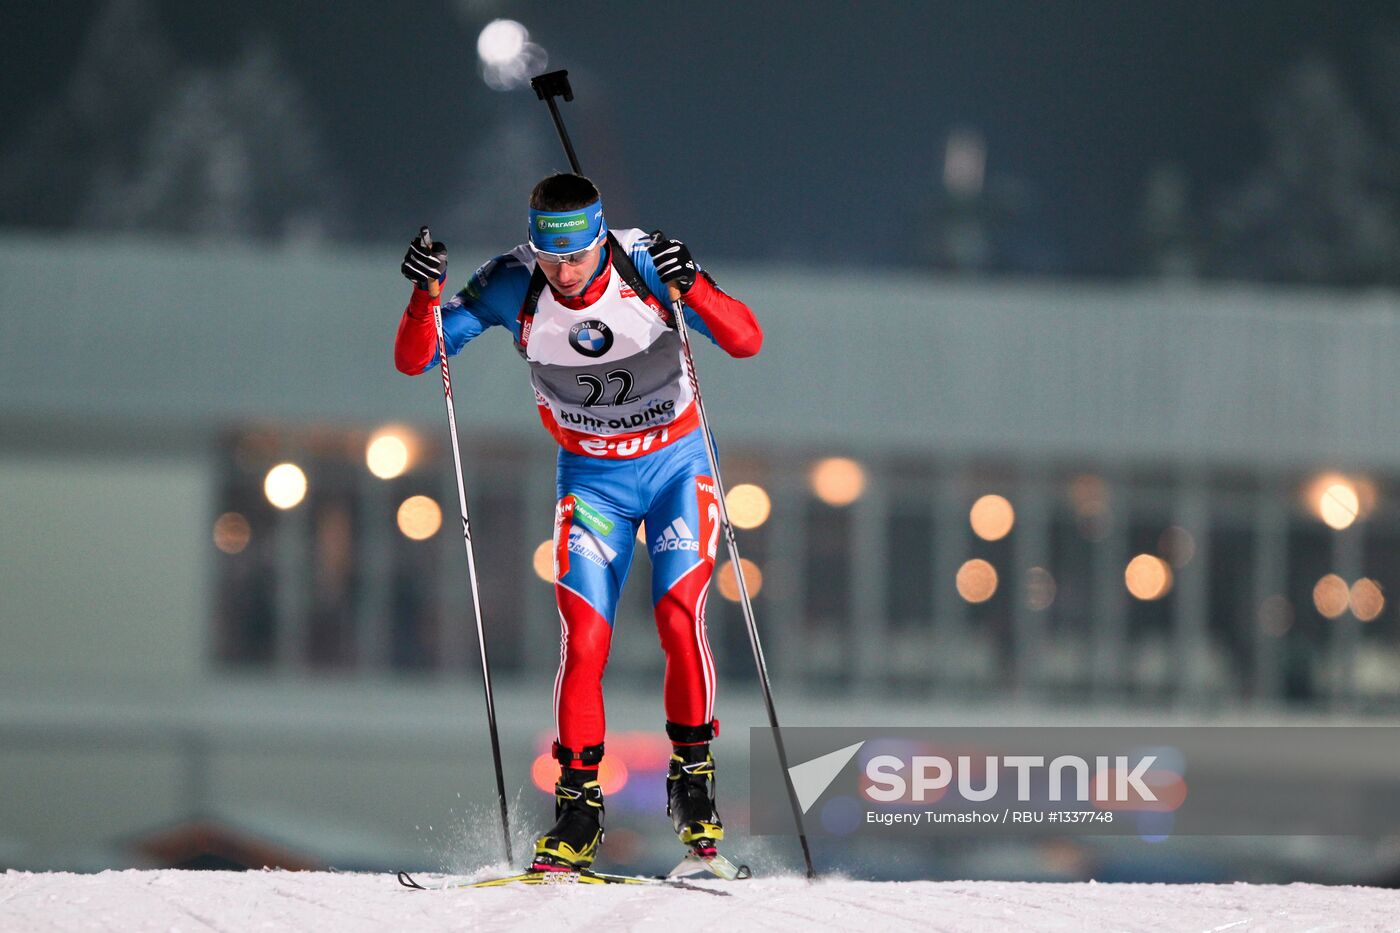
407, 881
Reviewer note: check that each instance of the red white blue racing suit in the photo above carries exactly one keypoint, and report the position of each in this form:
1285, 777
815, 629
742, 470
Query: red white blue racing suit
612, 388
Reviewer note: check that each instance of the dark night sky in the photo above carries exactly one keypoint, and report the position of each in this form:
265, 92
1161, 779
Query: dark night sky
782, 129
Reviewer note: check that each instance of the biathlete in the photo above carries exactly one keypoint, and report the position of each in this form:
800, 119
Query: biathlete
588, 310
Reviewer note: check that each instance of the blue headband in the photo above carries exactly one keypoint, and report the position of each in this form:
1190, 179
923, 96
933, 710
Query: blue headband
567, 231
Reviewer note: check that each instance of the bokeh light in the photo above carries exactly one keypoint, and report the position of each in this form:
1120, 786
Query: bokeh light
729, 585
543, 561
1088, 495
977, 580
501, 41
612, 773
1331, 596
419, 517
748, 505
837, 481
387, 454
1338, 500
1040, 588
992, 518
1148, 577
1338, 505
285, 485
232, 533
1367, 600
1177, 546
508, 57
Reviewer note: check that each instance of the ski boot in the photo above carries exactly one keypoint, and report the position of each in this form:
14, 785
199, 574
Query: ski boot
573, 840
690, 789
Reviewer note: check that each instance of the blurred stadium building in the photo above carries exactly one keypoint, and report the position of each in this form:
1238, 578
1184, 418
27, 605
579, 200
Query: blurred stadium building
233, 596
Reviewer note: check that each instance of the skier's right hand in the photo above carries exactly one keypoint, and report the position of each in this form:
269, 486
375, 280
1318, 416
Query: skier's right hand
425, 265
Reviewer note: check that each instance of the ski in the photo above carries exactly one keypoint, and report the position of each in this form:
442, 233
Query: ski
582, 876
694, 863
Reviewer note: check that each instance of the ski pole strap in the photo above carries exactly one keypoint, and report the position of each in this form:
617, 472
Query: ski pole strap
692, 735
588, 756
629, 275
527, 309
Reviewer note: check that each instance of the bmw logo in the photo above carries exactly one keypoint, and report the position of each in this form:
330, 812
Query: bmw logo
591, 338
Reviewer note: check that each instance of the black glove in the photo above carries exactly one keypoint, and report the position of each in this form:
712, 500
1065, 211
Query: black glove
672, 260
425, 260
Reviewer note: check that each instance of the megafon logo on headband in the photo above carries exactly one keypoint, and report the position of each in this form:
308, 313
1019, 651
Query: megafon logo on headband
568, 223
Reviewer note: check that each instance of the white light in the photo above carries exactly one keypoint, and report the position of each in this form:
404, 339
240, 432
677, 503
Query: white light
285, 485
508, 57
501, 42
965, 163
387, 455
1338, 505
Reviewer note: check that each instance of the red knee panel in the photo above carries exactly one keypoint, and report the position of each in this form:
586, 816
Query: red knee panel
690, 667
583, 654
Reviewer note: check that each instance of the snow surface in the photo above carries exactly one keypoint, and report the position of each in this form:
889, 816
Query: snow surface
170, 901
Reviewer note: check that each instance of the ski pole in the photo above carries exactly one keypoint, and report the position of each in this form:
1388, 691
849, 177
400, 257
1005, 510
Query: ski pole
547, 87
471, 564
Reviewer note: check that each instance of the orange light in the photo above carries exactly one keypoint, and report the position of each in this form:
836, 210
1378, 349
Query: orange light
729, 585
1331, 595
992, 518
543, 561
544, 772
232, 533
748, 505
1148, 577
837, 481
1367, 600
977, 581
612, 773
419, 518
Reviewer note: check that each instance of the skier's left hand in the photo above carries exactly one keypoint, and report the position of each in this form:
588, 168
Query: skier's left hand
672, 260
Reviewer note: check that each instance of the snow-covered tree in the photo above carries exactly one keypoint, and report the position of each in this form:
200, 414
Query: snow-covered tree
1166, 228
135, 141
91, 129
232, 153
1322, 206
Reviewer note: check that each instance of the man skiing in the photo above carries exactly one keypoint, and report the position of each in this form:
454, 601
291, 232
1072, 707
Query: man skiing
588, 311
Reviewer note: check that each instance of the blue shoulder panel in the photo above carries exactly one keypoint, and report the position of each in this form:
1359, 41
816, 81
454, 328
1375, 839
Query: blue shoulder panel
491, 298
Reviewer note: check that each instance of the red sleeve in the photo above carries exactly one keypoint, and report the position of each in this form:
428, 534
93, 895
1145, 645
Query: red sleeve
416, 343
731, 322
